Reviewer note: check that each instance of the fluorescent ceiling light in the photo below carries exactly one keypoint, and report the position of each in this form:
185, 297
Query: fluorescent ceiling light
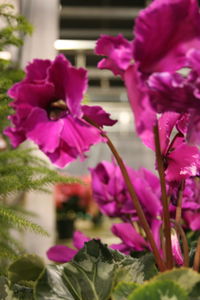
5, 55
74, 45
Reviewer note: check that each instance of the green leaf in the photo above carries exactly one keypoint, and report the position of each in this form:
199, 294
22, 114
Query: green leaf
25, 270
159, 290
21, 292
20, 221
195, 294
149, 266
51, 285
90, 275
134, 270
6, 293
3, 287
123, 290
186, 278
127, 268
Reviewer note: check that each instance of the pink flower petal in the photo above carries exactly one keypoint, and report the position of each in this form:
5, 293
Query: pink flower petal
183, 162
79, 134
176, 249
70, 83
166, 124
33, 94
192, 219
79, 239
61, 253
160, 44
42, 131
98, 115
118, 51
129, 236
36, 71
171, 92
16, 135
144, 115
76, 137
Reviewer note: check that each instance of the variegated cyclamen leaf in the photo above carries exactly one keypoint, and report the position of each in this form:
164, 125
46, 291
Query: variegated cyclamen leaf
90, 275
186, 278
25, 269
14, 292
159, 290
123, 290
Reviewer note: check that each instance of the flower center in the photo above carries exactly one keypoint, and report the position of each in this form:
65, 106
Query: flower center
57, 109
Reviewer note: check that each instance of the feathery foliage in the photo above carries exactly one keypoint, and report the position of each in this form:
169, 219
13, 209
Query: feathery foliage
20, 169
15, 27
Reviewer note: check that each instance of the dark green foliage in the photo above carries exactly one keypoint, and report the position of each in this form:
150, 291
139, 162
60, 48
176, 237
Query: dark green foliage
25, 270
159, 290
21, 277
92, 274
123, 290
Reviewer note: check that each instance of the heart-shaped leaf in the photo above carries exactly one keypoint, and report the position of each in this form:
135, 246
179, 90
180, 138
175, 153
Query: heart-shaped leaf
25, 270
185, 277
90, 275
123, 290
159, 290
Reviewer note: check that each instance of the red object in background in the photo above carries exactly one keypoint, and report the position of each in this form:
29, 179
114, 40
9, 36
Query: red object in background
64, 191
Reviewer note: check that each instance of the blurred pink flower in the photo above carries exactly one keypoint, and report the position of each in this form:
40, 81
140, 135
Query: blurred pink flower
159, 45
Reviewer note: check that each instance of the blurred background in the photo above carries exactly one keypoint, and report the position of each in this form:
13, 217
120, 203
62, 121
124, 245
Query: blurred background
72, 27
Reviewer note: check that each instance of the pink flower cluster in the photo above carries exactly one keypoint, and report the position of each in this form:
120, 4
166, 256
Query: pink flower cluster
166, 40
160, 68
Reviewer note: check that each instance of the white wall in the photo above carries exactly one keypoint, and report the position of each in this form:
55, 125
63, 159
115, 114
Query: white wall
43, 15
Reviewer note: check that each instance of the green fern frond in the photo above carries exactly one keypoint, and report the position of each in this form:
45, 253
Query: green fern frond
18, 154
11, 242
22, 171
7, 252
15, 24
19, 221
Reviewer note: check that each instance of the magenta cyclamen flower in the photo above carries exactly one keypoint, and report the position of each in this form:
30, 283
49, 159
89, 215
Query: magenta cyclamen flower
48, 111
190, 202
119, 53
155, 48
109, 190
111, 194
180, 93
162, 48
181, 160
131, 241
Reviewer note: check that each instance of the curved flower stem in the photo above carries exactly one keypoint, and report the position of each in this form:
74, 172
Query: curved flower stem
179, 203
197, 257
166, 216
181, 232
136, 203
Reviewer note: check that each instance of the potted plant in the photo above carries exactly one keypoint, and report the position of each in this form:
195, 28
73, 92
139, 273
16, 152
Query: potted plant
73, 201
159, 254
